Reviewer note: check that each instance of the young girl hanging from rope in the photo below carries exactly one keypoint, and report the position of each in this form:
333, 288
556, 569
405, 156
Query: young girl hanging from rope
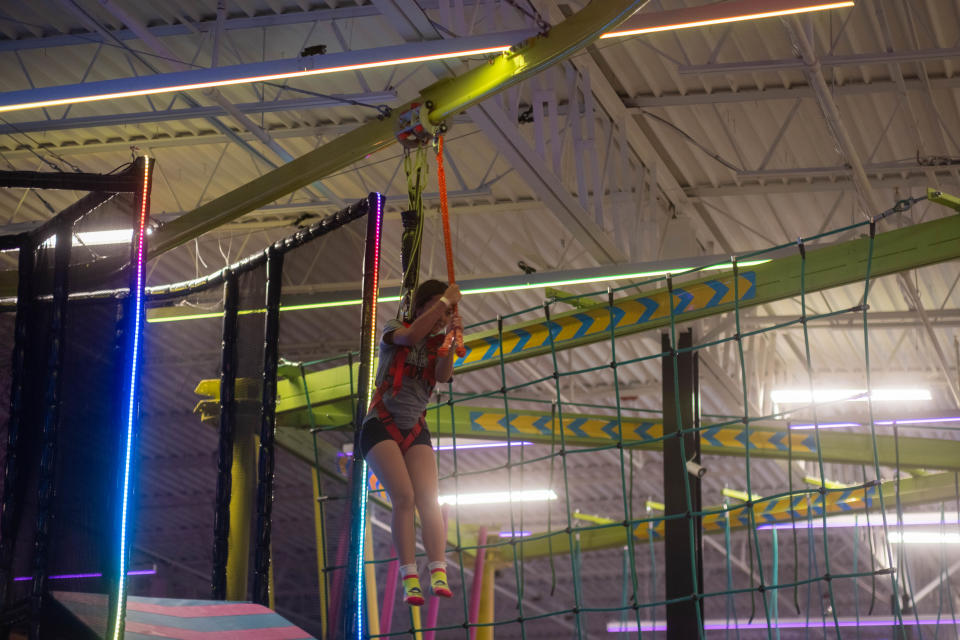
394, 439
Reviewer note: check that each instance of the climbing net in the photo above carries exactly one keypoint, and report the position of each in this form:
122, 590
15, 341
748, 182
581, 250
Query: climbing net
799, 526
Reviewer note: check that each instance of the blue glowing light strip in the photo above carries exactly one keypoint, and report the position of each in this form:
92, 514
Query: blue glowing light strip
137, 319
371, 376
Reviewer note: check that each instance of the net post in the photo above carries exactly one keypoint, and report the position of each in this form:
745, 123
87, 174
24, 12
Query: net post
683, 570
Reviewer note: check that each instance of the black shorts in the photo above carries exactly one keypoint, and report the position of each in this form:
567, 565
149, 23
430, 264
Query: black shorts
374, 432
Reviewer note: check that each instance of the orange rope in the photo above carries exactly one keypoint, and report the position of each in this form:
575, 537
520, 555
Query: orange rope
456, 335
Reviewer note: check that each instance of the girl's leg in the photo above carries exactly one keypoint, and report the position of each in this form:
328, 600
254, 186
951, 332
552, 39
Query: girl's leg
387, 462
422, 470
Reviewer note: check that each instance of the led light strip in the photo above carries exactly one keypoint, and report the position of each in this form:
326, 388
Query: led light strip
371, 378
131, 400
726, 13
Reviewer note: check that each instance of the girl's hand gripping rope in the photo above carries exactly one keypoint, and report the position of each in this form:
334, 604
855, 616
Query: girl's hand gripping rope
454, 337
454, 326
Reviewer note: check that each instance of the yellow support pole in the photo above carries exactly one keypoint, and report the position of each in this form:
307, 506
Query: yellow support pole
370, 582
270, 585
243, 472
321, 555
486, 602
415, 614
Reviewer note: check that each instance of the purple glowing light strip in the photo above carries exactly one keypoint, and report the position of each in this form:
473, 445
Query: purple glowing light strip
515, 534
794, 623
76, 576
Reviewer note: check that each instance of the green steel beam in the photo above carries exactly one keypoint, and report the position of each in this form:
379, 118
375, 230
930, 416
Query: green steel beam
448, 97
841, 264
913, 491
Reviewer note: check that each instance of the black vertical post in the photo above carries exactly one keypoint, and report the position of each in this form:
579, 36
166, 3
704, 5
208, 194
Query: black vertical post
681, 445
50, 425
228, 418
13, 471
268, 414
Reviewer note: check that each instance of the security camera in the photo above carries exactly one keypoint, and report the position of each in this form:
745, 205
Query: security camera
695, 469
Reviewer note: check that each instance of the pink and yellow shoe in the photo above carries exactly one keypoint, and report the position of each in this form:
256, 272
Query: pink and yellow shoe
411, 590
438, 583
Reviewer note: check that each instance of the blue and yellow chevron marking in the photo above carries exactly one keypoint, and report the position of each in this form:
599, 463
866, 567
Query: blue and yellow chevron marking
735, 437
627, 312
798, 507
493, 422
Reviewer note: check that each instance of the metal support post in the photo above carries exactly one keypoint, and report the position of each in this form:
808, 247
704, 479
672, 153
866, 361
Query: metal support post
13, 471
50, 426
268, 415
228, 417
681, 488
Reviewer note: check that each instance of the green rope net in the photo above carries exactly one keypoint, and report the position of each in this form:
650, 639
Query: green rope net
589, 560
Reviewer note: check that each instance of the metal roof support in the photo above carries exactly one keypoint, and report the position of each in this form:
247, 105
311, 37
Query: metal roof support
449, 98
415, 26
171, 58
166, 115
869, 201
884, 57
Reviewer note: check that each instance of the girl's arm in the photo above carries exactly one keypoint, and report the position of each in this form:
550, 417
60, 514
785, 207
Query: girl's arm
426, 321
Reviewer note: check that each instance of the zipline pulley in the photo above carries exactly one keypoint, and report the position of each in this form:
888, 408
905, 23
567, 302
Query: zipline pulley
414, 128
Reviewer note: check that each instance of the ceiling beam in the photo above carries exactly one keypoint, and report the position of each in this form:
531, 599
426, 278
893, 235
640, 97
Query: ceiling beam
880, 57
869, 202
798, 185
415, 26
372, 98
725, 96
292, 17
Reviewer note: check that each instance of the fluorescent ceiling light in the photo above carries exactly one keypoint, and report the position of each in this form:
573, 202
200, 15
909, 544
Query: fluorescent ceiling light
850, 520
916, 421
802, 396
467, 443
718, 13
922, 537
499, 497
515, 534
97, 238
824, 425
